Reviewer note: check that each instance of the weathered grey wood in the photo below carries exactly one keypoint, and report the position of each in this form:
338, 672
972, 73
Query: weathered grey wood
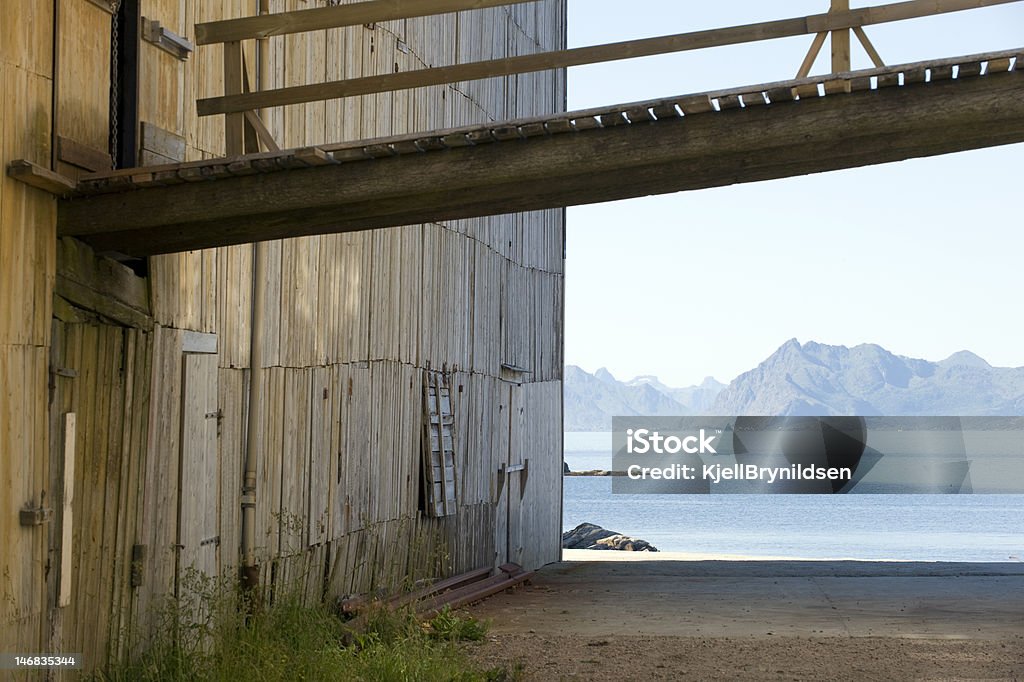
321, 18
589, 166
579, 56
198, 342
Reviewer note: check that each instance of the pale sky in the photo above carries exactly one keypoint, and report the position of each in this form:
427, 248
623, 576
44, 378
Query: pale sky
923, 257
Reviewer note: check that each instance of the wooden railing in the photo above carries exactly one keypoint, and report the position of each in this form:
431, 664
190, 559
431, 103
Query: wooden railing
239, 106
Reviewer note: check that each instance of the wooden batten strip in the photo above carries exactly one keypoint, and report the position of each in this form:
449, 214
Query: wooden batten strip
698, 104
242, 167
174, 177
726, 102
888, 80
860, 84
586, 123
781, 95
613, 119
354, 154
666, 110
807, 91
380, 151
753, 99
969, 70
406, 147
67, 500
533, 130
314, 156
639, 115
508, 132
837, 86
481, 137
432, 143
455, 140
998, 66
912, 76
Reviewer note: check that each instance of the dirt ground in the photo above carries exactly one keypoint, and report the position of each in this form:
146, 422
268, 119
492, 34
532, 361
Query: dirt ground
760, 620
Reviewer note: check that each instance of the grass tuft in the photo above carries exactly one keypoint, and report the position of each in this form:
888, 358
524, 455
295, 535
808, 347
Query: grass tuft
209, 637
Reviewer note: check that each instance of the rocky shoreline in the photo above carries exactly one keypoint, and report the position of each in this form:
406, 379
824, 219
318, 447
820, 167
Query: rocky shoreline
592, 536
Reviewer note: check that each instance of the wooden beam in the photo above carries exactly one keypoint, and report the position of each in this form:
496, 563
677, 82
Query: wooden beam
840, 39
579, 56
253, 119
812, 55
869, 47
322, 18
603, 164
39, 177
234, 124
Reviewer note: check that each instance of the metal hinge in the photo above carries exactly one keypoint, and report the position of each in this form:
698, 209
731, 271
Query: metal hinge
35, 516
138, 558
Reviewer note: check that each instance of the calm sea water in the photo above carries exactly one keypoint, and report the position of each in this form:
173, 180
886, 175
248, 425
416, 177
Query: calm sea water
907, 527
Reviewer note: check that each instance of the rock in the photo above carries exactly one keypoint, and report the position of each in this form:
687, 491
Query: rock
591, 536
565, 468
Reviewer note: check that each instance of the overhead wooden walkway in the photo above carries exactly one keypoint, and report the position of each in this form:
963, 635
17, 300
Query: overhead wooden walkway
741, 135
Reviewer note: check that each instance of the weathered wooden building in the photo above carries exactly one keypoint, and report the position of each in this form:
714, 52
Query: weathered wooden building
126, 399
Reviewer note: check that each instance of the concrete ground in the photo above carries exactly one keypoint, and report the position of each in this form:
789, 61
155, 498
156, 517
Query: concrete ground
761, 620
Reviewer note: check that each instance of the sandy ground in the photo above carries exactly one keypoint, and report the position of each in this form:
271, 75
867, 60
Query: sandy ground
760, 620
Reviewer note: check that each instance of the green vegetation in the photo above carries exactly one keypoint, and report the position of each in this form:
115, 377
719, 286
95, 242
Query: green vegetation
207, 636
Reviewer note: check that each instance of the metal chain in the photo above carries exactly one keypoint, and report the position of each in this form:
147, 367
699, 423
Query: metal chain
115, 5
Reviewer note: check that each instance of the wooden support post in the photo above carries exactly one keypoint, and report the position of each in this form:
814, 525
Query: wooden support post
840, 40
234, 123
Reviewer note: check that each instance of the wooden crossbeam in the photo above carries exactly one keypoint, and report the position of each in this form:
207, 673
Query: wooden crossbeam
579, 56
710, 149
338, 16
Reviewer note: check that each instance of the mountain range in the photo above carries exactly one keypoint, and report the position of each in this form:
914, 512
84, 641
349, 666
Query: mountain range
808, 379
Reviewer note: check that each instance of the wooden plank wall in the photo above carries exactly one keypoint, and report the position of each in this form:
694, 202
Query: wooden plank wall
351, 317
107, 385
351, 322
28, 258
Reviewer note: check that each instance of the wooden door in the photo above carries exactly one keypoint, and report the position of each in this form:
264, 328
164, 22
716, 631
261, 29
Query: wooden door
199, 471
81, 118
515, 476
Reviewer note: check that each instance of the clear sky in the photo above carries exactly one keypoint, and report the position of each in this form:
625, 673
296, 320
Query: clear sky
924, 257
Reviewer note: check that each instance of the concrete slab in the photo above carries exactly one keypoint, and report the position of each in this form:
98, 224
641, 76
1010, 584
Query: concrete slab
766, 598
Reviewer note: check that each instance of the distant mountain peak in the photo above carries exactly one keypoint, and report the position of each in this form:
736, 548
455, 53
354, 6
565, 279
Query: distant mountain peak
822, 379
808, 379
591, 400
711, 382
964, 358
